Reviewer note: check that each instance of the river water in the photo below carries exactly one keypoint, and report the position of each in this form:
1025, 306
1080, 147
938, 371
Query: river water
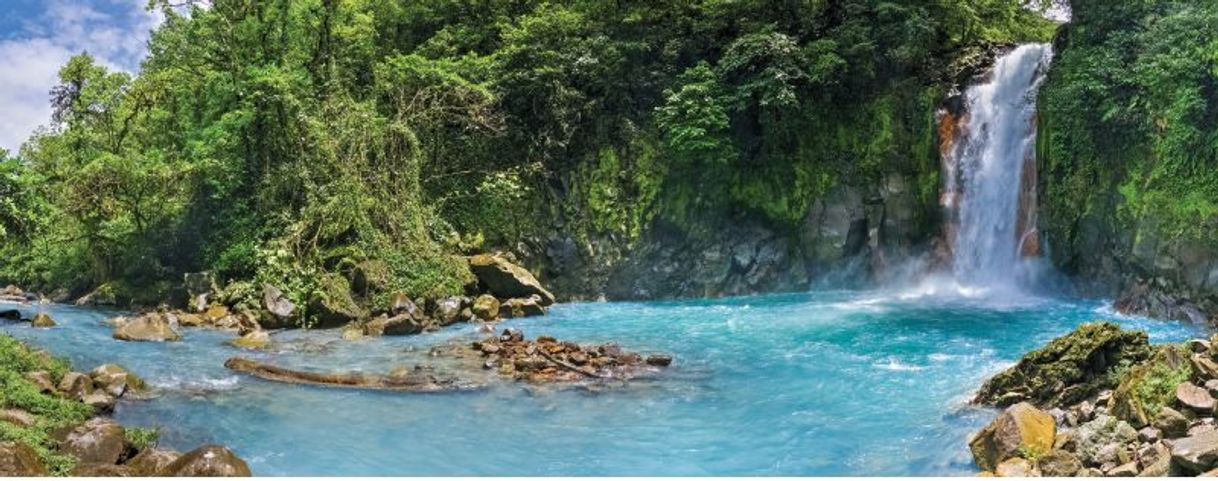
831, 382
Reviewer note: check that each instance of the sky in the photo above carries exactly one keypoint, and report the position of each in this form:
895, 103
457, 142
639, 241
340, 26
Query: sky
38, 36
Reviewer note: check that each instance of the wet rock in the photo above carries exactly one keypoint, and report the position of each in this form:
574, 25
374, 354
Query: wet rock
152, 461
1138, 393
252, 340
659, 360
42, 380
1196, 454
399, 325
1069, 369
10, 314
1093, 437
42, 319
505, 279
1194, 398
151, 327
353, 332
19, 460
116, 380
75, 385
511, 335
210, 461
99, 440
486, 307
1059, 463
1126, 470
276, 303
17, 417
1016, 468
1021, 426
413, 382
100, 401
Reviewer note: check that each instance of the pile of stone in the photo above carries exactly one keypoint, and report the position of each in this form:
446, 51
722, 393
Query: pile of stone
100, 388
1102, 402
548, 360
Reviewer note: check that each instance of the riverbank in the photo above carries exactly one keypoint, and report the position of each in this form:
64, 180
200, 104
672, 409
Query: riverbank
1101, 401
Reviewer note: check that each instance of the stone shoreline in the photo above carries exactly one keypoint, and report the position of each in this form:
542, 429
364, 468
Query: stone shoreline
1102, 401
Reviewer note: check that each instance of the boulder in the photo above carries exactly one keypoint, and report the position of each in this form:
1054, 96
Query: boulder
10, 314
276, 303
19, 460
449, 310
486, 307
252, 340
42, 380
152, 461
1059, 463
1145, 388
1069, 369
332, 304
151, 327
42, 319
75, 385
215, 314
505, 279
1195, 454
1095, 439
1020, 428
209, 461
399, 325
100, 401
102, 296
1127, 470
99, 440
512, 308
1195, 398
116, 380
660, 360
98, 470
1016, 468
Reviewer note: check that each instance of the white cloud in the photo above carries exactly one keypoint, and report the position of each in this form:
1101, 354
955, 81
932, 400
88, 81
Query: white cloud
116, 34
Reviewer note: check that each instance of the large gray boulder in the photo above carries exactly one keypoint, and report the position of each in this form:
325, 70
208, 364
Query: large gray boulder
1196, 454
507, 280
99, 440
151, 327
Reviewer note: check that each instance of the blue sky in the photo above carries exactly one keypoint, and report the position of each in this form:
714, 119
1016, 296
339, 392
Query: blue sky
38, 36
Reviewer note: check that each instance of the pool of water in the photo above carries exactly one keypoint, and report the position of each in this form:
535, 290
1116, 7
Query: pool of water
832, 382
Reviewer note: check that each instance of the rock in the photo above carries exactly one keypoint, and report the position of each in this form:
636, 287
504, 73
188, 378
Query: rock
152, 461
1016, 468
215, 314
1069, 369
512, 335
151, 327
1149, 434
42, 319
1199, 428
99, 440
1205, 366
1147, 387
1126, 470
100, 401
75, 385
1194, 398
102, 296
10, 314
252, 340
1019, 427
659, 360
209, 461
17, 417
410, 382
486, 307
1059, 463
332, 305
19, 460
399, 325
116, 380
97, 470
276, 303
42, 380
353, 332
1196, 454
1212, 386
1093, 437
505, 279
448, 310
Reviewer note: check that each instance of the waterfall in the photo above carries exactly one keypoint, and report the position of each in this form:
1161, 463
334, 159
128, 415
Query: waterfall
989, 170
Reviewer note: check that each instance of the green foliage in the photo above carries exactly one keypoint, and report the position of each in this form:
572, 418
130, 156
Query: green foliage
1157, 387
142, 438
283, 141
51, 412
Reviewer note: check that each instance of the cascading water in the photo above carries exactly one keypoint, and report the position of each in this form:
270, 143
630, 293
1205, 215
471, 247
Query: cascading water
990, 174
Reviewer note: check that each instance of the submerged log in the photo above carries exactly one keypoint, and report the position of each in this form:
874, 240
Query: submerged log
411, 382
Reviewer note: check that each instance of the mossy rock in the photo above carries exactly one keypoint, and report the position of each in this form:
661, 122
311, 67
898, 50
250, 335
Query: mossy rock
1069, 369
1144, 389
332, 303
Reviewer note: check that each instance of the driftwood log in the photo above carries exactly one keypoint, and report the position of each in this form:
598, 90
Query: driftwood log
412, 382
